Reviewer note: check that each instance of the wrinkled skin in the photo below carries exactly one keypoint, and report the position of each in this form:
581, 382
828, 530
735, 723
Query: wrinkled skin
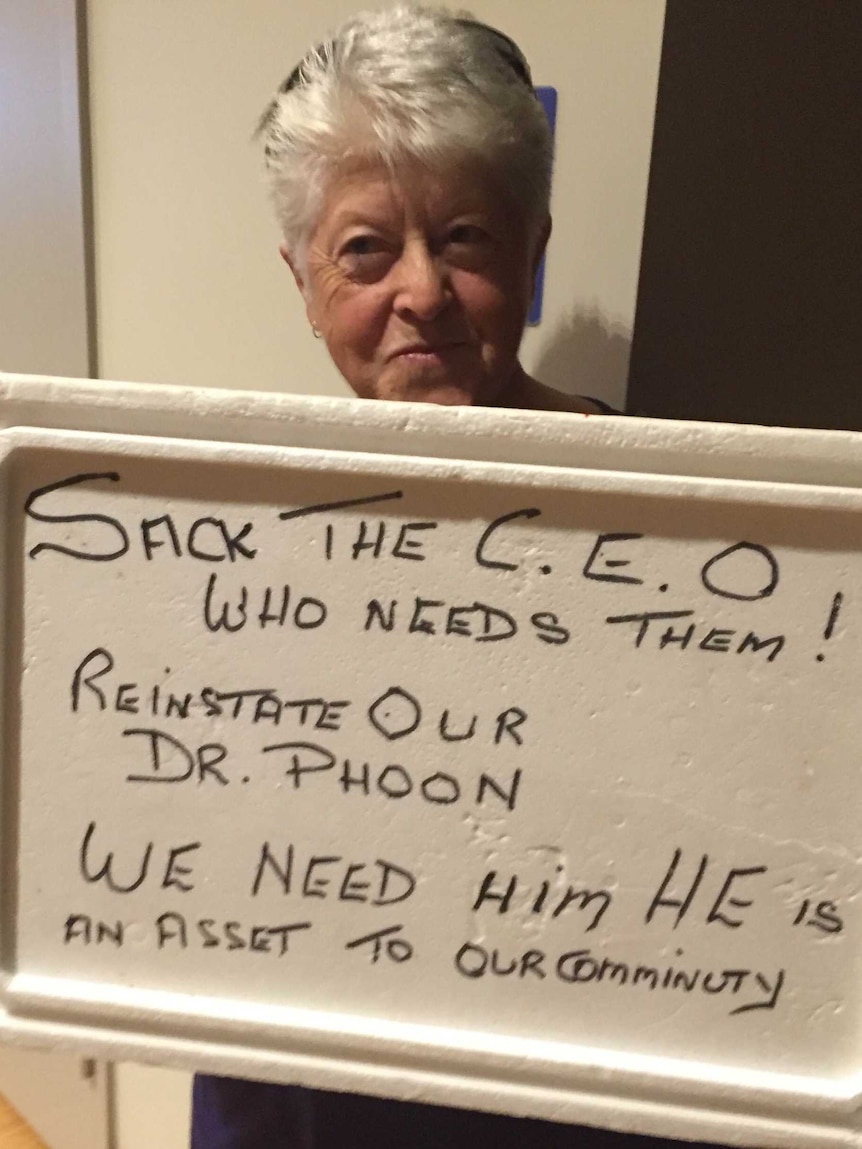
419, 282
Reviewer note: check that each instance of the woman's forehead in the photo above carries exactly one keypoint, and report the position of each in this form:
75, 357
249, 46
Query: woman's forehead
372, 189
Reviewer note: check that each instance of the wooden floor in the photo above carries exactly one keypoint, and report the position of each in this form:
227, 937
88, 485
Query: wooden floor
14, 1132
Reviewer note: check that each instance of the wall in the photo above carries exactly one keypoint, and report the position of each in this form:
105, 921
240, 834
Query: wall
750, 292
43, 285
190, 287
44, 329
152, 1108
63, 1097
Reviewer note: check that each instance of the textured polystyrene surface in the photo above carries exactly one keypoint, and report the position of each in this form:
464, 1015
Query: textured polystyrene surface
500, 760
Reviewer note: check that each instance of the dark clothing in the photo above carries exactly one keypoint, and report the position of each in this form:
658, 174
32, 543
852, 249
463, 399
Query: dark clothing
230, 1114
605, 408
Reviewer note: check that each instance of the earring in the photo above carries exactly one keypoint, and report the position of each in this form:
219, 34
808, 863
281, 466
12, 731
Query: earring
315, 332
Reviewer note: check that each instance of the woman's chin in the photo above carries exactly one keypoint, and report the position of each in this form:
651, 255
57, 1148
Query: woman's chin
442, 392
446, 397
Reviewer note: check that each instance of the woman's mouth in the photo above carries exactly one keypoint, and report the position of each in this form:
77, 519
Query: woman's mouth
427, 353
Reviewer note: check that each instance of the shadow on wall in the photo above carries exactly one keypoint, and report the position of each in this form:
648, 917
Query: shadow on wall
587, 355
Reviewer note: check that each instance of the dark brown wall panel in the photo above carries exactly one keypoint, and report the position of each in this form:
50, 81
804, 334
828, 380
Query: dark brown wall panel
750, 297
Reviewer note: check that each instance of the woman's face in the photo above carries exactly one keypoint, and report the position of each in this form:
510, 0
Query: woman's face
420, 284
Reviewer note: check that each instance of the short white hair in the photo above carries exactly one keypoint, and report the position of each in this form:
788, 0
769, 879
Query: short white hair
407, 84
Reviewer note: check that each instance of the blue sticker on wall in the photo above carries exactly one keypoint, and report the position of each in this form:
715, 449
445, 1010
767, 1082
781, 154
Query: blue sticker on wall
548, 99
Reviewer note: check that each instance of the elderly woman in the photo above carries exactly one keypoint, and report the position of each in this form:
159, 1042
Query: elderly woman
410, 167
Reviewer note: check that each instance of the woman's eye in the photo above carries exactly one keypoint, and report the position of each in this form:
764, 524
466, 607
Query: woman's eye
365, 257
469, 246
362, 245
468, 234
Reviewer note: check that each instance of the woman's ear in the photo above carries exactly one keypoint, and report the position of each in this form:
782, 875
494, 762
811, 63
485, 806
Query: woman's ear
541, 243
295, 272
300, 282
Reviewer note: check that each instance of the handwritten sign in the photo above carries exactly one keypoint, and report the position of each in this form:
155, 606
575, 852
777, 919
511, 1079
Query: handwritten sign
543, 766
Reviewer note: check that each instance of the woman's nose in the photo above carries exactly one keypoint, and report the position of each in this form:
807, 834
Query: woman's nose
423, 289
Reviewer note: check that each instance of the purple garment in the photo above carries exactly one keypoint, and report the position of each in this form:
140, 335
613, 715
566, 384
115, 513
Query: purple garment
230, 1114
236, 1114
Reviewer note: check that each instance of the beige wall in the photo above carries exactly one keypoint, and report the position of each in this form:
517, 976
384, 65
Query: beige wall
43, 291
152, 1108
44, 330
189, 285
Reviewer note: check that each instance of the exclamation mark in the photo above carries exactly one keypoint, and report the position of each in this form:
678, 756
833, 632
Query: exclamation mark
832, 620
